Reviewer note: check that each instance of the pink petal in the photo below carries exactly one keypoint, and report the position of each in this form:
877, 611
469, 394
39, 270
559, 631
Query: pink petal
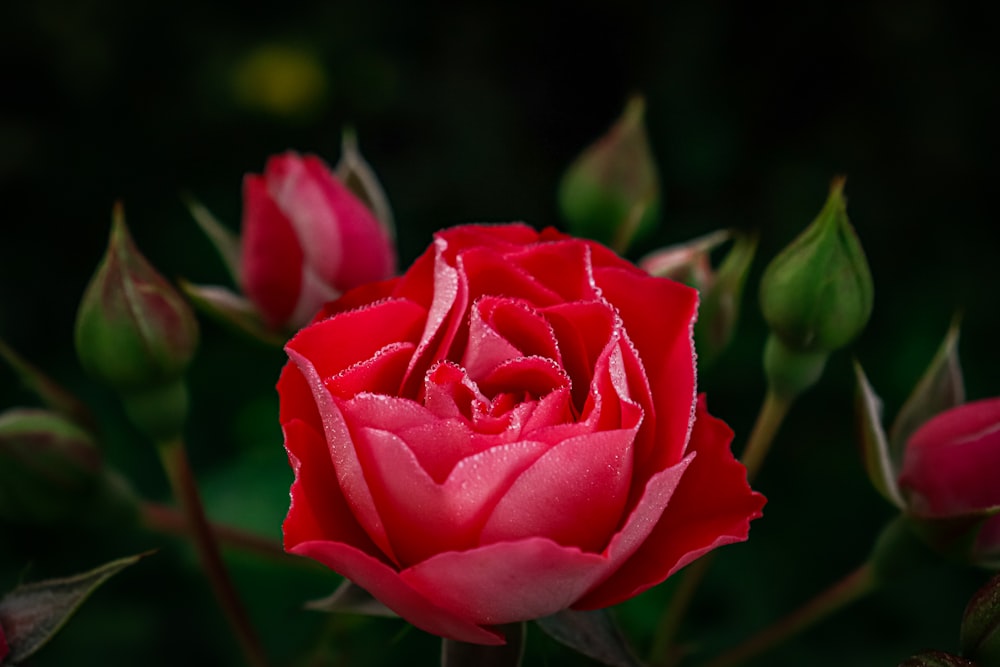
318, 510
337, 343
394, 592
300, 194
950, 463
423, 517
572, 495
508, 581
662, 337
368, 252
350, 476
271, 259
709, 505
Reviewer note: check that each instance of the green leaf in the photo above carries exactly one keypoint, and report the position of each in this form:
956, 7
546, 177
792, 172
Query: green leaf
51, 393
461, 654
226, 243
359, 177
33, 613
349, 598
879, 465
939, 389
980, 635
231, 310
592, 633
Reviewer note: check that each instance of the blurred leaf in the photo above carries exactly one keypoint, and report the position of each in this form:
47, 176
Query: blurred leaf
461, 654
875, 449
349, 598
226, 243
32, 614
592, 633
360, 179
939, 389
50, 392
232, 310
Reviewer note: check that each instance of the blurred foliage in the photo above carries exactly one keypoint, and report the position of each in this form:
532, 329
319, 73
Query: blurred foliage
471, 112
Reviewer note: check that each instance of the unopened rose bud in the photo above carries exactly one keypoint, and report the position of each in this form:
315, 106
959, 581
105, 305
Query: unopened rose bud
136, 334
816, 295
306, 239
611, 192
949, 480
49, 466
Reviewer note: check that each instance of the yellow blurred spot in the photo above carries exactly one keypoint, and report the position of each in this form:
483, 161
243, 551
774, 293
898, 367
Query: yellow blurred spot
281, 80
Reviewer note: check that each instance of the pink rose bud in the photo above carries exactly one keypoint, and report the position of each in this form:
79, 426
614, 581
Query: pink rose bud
950, 469
611, 193
306, 239
136, 333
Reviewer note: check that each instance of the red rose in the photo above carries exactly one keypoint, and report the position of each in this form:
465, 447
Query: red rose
507, 430
306, 239
951, 468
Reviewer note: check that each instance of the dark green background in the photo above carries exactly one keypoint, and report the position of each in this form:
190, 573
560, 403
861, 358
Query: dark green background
470, 113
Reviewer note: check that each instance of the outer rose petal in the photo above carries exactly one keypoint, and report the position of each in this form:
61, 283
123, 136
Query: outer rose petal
507, 581
712, 505
393, 591
271, 258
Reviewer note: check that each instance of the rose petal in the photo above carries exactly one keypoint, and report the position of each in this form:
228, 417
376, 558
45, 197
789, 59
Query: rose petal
270, 258
299, 195
508, 581
950, 463
563, 266
367, 250
663, 338
318, 510
711, 504
385, 583
573, 494
334, 344
382, 373
423, 517
350, 476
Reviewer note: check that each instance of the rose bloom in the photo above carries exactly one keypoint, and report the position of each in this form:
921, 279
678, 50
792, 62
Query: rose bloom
509, 429
951, 469
305, 240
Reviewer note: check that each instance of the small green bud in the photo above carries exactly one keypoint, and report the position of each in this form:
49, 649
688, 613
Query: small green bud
49, 466
133, 330
611, 192
816, 295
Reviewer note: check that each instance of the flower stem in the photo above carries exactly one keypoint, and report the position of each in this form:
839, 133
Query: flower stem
175, 463
166, 520
854, 586
772, 414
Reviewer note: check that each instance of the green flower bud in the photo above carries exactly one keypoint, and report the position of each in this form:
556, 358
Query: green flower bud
611, 192
816, 295
136, 333
49, 466
133, 330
